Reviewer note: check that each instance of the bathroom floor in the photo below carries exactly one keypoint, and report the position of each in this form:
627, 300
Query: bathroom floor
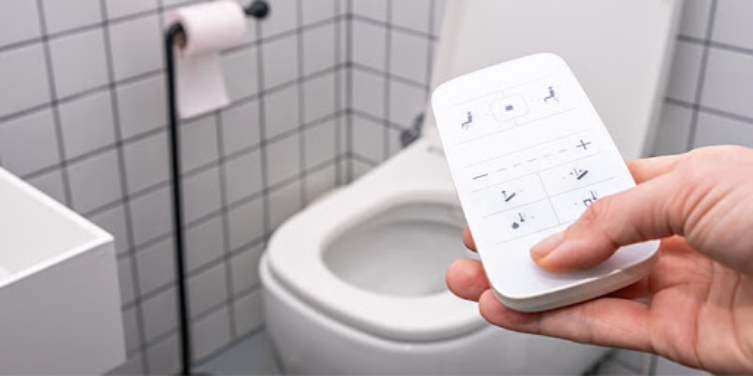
252, 356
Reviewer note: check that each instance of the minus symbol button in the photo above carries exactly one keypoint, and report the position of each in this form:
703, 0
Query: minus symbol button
480, 176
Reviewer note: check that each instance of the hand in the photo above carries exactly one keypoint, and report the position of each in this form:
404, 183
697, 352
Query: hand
696, 306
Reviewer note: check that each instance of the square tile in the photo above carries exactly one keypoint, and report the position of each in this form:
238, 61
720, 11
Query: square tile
319, 98
71, 14
201, 194
156, 265
695, 18
87, 124
117, 9
95, 181
160, 314
360, 168
51, 183
249, 312
136, 46
164, 358
151, 215
205, 243
246, 223
317, 10
245, 269
717, 130
19, 21
684, 71
673, 130
319, 144
368, 44
318, 48
729, 82
198, 145
409, 56
142, 106
78, 62
113, 220
284, 160
146, 163
732, 24
283, 203
281, 111
125, 278
282, 18
240, 127
207, 290
394, 144
210, 334
241, 73
368, 93
131, 330
368, 139
23, 68
280, 61
29, 143
407, 102
439, 11
414, 15
243, 176
320, 182
373, 9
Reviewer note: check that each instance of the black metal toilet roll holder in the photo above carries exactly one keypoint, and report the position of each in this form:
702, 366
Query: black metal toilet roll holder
259, 9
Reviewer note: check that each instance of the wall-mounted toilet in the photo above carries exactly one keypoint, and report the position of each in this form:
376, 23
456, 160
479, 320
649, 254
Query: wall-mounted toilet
354, 284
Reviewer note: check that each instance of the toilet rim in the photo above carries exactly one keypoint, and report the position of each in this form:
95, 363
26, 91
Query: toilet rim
295, 259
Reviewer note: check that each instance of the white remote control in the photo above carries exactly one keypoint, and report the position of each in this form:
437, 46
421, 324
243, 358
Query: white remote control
528, 154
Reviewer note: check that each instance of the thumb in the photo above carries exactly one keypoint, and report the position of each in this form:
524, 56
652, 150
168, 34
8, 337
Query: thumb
645, 212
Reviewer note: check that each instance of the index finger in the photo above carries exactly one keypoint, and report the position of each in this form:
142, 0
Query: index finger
468, 239
649, 168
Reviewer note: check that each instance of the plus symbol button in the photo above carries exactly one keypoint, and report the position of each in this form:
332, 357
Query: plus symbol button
584, 145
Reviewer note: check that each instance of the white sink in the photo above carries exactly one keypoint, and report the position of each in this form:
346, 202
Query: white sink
59, 294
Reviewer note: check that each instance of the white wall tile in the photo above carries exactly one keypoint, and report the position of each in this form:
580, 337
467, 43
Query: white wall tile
695, 18
131, 329
125, 277
368, 93
240, 127
243, 175
394, 145
369, 43
23, 68
204, 243
207, 289
51, 183
319, 144
729, 82
66, 15
198, 145
120, 8
164, 358
241, 73
246, 223
283, 17
406, 103
249, 312
210, 334
245, 269
136, 46
373, 9
151, 215
200, 194
717, 130
156, 265
368, 139
134, 365
439, 12
280, 61
320, 182
732, 24
142, 106
113, 220
409, 56
683, 75
413, 14
360, 168
78, 62
319, 94
146, 162
19, 21
283, 203
284, 155
281, 111
95, 181
314, 11
87, 124
318, 48
673, 130
28, 143
160, 314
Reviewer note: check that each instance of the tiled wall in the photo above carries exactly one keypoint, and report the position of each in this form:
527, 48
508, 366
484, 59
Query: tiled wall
83, 117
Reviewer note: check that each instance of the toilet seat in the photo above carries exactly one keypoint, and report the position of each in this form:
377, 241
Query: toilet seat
297, 261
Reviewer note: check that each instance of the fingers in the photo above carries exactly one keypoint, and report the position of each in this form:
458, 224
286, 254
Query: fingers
466, 279
646, 169
468, 239
647, 211
606, 321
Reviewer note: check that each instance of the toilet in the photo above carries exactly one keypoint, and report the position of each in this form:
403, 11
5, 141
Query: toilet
354, 283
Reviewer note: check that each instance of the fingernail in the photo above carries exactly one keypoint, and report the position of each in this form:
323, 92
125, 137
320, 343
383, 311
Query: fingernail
546, 246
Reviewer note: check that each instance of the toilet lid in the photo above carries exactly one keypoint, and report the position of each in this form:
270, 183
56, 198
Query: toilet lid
295, 253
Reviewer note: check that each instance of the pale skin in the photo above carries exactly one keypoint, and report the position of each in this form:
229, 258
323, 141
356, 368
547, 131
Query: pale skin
696, 305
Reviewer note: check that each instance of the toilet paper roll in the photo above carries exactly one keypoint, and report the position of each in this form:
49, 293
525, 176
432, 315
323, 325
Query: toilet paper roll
208, 29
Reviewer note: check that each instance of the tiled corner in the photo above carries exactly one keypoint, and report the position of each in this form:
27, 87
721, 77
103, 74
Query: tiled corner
156, 265
280, 61
683, 76
319, 144
243, 176
207, 289
136, 46
142, 106
372, 9
281, 111
72, 14
285, 154
78, 62
368, 139
320, 98
205, 243
29, 143
87, 124
105, 171
240, 127
320, 182
19, 21
283, 203
368, 93
23, 68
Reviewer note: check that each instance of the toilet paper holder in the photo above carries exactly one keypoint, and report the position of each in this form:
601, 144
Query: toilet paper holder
176, 37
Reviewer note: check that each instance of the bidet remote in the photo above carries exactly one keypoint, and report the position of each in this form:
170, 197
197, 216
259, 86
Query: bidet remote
528, 154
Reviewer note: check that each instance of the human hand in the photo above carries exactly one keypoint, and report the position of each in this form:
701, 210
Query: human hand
696, 305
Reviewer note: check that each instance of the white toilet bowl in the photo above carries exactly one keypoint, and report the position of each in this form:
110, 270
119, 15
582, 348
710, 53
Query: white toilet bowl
354, 284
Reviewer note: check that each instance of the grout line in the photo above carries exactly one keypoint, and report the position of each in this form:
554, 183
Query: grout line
301, 106
338, 95
349, 94
701, 77
387, 83
388, 24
